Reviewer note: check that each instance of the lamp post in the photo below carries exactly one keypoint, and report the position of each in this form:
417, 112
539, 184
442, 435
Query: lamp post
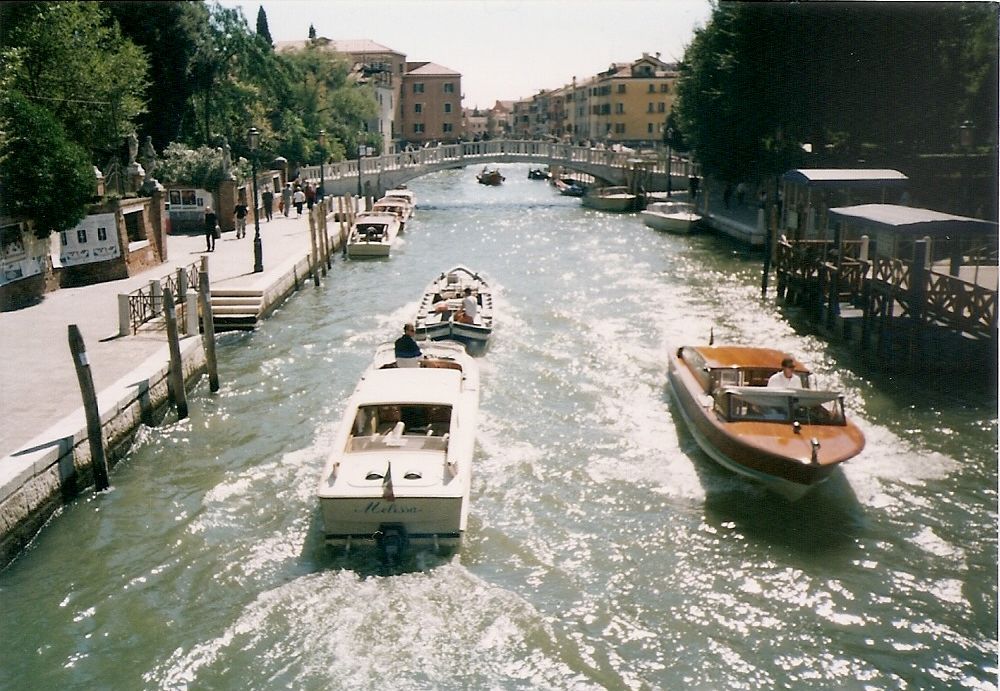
322, 152
670, 163
253, 139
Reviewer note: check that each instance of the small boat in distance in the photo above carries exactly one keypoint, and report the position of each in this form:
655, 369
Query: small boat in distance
788, 439
609, 199
404, 194
372, 235
672, 217
571, 188
400, 466
538, 174
439, 314
490, 177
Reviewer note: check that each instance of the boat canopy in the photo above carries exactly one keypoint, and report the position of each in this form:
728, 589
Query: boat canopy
905, 220
780, 405
846, 177
431, 386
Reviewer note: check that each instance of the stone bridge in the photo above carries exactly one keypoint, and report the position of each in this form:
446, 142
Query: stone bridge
379, 173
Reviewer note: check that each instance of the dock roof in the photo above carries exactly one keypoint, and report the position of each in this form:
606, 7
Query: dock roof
908, 220
846, 177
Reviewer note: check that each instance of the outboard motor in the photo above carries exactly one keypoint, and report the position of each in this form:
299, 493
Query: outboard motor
391, 542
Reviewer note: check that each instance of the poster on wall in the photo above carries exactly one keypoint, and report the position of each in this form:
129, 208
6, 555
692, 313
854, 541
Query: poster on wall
21, 254
95, 239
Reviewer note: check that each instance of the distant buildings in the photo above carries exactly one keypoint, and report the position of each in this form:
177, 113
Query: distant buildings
418, 102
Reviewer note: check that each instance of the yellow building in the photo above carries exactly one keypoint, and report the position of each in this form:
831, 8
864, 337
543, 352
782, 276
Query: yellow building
629, 102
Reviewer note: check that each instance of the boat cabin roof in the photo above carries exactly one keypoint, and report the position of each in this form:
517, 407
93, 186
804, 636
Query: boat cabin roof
432, 386
743, 357
905, 220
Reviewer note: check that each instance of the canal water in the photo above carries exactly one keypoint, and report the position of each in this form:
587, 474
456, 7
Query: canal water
604, 550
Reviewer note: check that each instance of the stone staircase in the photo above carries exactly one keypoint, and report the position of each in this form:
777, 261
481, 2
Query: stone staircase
236, 309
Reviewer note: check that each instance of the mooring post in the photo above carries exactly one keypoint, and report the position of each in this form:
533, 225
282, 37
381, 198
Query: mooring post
94, 434
208, 329
176, 376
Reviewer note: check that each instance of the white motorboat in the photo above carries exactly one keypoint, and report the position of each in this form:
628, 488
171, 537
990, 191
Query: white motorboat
400, 468
609, 199
404, 194
672, 217
440, 312
398, 206
372, 234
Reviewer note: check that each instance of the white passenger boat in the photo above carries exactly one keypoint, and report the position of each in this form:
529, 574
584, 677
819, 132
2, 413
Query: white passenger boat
404, 194
397, 206
400, 468
372, 235
609, 199
672, 217
440, 312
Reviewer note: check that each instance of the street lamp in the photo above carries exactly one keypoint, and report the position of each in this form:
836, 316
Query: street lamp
670, 163
253, 139
322, 151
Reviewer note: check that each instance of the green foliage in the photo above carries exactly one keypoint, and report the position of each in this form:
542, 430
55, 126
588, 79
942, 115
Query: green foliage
69, 57
263, 32
201, 167
863, 83
46, 177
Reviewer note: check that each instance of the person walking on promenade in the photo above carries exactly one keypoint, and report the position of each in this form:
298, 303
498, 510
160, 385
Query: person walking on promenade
267, 199
240, 213
210, 224
299, 198
310, 193
286, 199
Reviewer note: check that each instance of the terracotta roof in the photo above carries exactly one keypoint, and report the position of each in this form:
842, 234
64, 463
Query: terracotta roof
350, 46
430, 69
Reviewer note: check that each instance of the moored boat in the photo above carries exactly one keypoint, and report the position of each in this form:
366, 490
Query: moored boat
572, 188
399, 472
672, 217
538, 174
404, 194
441, 315
490, 177
609, 199
401, 208
787, 438
372, 235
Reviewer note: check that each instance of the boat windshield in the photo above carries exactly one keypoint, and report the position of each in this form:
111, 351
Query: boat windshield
780, 405
409, 427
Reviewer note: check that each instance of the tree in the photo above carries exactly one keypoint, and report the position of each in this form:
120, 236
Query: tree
68, 56
169, 32
263, 31
46, 177
201, 167
312, 33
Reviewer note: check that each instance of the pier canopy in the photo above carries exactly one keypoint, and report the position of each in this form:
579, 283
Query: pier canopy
957, 245
839, 178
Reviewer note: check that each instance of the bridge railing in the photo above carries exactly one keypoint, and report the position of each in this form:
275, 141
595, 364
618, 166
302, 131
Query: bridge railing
485, 152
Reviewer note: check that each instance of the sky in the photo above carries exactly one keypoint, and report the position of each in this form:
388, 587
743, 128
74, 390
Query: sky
504, 49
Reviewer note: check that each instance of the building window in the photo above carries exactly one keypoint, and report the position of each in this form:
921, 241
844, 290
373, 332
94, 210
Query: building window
651, 108
449, 87
621, 88
620, 108
661, 107
447, 107
418, 128
418, 87
447, 127
418, 107
664, 88
652, 88
81, 236
649, 128
102, 234
619, 128
63, 238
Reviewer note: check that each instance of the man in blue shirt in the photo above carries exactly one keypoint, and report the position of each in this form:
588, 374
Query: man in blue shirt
407, 351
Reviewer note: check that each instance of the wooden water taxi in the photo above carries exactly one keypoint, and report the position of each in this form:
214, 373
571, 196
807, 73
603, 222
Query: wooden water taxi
490, 177
787, 438
399, 473
671, 217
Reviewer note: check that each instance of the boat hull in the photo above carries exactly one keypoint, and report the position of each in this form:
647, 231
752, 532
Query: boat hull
680, 224
367, 249
425, 521
609, 203
770, 453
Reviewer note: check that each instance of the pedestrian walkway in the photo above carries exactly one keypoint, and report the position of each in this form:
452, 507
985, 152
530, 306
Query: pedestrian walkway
38, 384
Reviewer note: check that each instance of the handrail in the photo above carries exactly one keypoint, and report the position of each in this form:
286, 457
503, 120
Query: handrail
146, 304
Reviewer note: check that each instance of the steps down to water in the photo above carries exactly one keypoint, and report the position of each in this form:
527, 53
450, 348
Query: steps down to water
236, 309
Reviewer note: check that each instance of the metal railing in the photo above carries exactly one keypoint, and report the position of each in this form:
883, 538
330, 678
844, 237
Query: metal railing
145, 304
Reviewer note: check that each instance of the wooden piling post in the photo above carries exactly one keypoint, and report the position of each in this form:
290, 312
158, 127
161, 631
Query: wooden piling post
326, 234
94, 434
342, 209
176, 377
208, 330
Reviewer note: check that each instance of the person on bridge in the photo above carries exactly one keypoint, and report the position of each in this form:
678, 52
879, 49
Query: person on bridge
408, 353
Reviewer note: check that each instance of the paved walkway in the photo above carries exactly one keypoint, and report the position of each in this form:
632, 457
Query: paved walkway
38, 384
